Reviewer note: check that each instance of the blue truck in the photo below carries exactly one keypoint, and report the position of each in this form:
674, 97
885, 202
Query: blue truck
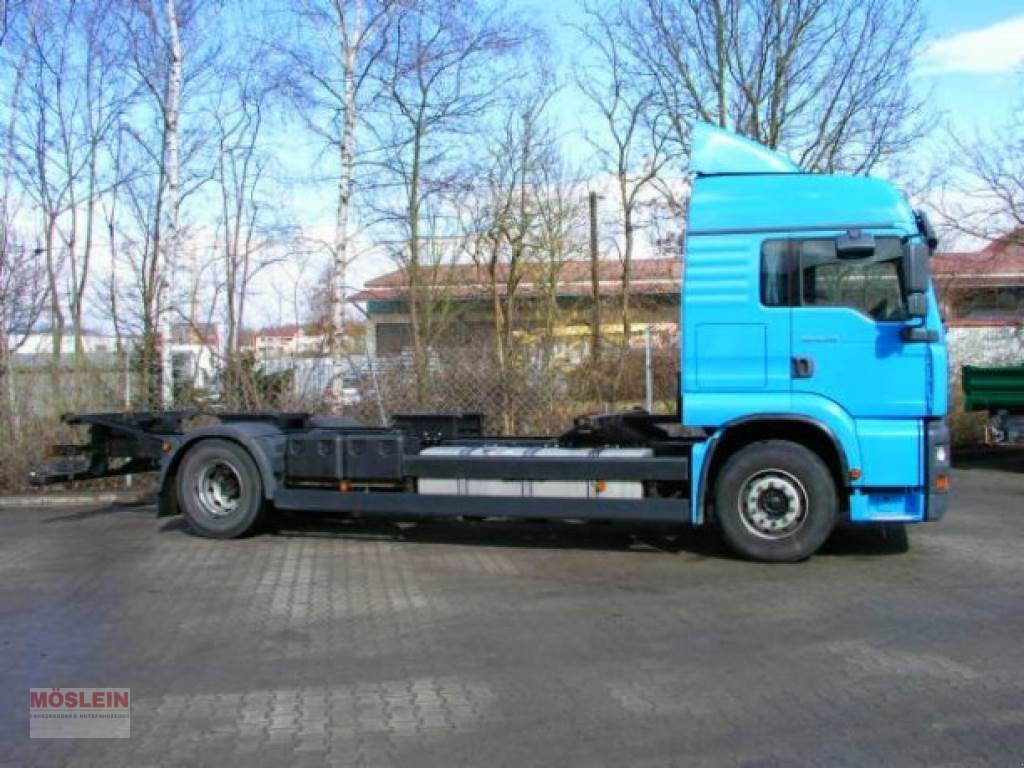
814, 390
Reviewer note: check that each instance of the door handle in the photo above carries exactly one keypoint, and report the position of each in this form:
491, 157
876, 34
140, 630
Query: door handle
803, 367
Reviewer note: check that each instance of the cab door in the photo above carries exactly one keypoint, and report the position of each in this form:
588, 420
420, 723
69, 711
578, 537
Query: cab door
846, 326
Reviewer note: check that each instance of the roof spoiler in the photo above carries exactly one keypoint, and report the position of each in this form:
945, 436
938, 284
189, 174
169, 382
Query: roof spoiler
714, 150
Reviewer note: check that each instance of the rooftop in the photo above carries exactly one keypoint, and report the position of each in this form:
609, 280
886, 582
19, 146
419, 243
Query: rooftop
573, 278
1001, 262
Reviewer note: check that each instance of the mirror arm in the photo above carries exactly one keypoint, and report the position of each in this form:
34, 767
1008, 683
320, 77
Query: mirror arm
918, 334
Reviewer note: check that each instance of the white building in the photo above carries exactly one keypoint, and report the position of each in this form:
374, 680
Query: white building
40, 342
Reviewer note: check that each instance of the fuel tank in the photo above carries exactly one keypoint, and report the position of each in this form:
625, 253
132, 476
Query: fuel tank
576, 489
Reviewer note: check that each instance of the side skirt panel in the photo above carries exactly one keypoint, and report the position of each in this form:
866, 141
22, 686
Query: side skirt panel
414, 505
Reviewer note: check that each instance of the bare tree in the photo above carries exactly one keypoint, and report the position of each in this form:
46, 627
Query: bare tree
560, 240
157, 33
23, 295
41, 147
106, 97
246, 227
337, 46
982, 199
631, 147
442, 70
68, 95
828, 81
502, 237
79, 95
990, 170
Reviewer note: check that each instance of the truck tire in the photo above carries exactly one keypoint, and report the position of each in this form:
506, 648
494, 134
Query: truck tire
220, 490
775, 501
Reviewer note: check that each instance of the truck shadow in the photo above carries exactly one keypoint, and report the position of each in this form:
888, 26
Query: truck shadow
1000, 459
143, 508
591, 536
851, 539
596, 536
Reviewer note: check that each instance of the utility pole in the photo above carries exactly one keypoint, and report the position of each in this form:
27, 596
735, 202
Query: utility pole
595, 286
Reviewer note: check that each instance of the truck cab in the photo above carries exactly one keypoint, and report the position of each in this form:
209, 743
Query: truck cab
808, 316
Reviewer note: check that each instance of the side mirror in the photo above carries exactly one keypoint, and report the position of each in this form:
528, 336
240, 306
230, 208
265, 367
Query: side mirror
927, 230
855, 245
915, 268
915, 279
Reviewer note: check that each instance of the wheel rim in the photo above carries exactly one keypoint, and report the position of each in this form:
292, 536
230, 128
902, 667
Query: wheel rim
773, 504
219, 489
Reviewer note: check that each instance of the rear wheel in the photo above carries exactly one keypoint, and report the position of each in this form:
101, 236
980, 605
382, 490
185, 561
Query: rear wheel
775, 501
220, 490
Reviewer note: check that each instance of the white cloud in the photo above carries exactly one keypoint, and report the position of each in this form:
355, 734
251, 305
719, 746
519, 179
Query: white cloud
993, 49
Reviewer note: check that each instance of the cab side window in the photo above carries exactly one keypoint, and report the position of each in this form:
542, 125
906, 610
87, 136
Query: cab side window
808, 273
871, 286
776, 273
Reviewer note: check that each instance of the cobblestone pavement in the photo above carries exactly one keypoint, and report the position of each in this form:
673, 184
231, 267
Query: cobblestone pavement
494, 644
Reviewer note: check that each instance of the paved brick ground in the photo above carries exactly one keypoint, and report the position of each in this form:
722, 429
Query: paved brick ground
497, 644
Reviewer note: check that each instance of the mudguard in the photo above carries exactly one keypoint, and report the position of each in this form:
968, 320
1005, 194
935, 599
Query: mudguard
264, 441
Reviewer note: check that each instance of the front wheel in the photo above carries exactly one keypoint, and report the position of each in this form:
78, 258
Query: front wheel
220, 490
776, 501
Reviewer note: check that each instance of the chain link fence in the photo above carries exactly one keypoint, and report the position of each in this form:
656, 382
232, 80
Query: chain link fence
524, 395
530, 392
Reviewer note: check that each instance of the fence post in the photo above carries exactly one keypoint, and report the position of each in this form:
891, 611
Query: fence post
376, 382
648, 370
127, 401
13, 398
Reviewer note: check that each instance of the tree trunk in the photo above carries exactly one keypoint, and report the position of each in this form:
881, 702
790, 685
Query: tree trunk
346, 149
173, 241
415, 306
500, 340
7, 378
595, 289
627, 275
83, 279
56, 311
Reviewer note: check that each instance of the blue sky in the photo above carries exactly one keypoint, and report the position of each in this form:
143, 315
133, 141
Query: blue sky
974, 50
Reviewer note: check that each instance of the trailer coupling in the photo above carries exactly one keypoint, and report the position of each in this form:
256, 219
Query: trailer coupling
119, 444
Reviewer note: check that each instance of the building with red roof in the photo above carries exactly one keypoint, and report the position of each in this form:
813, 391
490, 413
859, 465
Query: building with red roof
464, 295
983, 287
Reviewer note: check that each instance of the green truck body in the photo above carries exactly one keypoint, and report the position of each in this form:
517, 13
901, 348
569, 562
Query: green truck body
1000, 391
993, 389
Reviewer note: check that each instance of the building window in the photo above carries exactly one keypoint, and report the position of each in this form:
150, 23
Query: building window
1000, 303
392, 338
